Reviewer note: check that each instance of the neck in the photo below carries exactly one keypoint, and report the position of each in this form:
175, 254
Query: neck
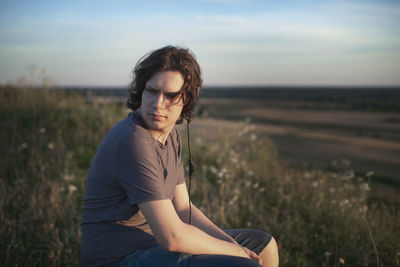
161, 137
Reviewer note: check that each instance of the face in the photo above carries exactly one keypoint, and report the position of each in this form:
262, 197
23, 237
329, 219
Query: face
162, 103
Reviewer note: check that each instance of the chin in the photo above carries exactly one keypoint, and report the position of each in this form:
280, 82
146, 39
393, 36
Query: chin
156, 126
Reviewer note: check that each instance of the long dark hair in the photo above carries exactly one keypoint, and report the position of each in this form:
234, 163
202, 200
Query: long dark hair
168, 58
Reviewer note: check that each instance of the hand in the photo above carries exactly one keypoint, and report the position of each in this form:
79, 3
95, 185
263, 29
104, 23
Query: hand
252, 255
243, 253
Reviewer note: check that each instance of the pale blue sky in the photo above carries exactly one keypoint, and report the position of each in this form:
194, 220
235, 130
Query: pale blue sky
237, 42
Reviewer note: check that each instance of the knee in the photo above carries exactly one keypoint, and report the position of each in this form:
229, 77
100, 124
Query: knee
270, 254
272, 245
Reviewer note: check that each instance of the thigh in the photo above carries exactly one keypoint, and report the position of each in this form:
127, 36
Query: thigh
216, 261
158, 256
254, 240
154, 256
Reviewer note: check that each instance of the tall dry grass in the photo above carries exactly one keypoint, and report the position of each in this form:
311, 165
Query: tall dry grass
320, 218
49, 138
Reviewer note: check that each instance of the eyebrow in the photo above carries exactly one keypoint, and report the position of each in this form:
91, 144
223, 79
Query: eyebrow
167, 93
149, 87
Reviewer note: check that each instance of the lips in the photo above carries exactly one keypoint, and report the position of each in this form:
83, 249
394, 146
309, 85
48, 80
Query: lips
157, 117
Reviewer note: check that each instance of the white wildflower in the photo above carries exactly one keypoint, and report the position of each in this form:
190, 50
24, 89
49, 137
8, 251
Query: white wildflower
50, 146
72, 188
349, 175
344, 202
213, 170
23, 146
333, 175
234, 159
68, 177
42, 130
233, 200
369, 174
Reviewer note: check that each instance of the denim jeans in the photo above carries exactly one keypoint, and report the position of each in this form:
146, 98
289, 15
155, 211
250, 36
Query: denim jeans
158, 256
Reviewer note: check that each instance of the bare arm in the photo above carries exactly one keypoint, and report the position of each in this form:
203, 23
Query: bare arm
181, 204
175, 235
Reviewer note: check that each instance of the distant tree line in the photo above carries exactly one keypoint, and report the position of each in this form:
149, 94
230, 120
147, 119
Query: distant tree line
347, 98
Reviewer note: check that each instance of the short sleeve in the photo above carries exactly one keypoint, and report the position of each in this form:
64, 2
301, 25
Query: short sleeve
138, 169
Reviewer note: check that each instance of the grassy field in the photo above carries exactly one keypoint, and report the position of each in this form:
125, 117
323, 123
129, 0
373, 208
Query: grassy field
370, 139
320, 217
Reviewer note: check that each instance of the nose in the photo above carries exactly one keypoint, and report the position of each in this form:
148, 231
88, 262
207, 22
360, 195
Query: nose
159, 100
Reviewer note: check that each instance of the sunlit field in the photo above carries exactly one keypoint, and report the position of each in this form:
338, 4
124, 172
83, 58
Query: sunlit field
319, 217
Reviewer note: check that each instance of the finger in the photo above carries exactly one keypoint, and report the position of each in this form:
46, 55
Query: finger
252, 255
255, 257
245, 252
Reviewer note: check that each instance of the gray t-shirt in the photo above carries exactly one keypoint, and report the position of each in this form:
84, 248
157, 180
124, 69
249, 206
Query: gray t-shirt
130, 167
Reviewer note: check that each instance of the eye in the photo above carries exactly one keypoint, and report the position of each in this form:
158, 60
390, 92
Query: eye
172, 96
150, 90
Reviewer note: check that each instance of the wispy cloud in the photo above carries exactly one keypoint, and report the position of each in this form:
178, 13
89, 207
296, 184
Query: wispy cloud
310, 42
